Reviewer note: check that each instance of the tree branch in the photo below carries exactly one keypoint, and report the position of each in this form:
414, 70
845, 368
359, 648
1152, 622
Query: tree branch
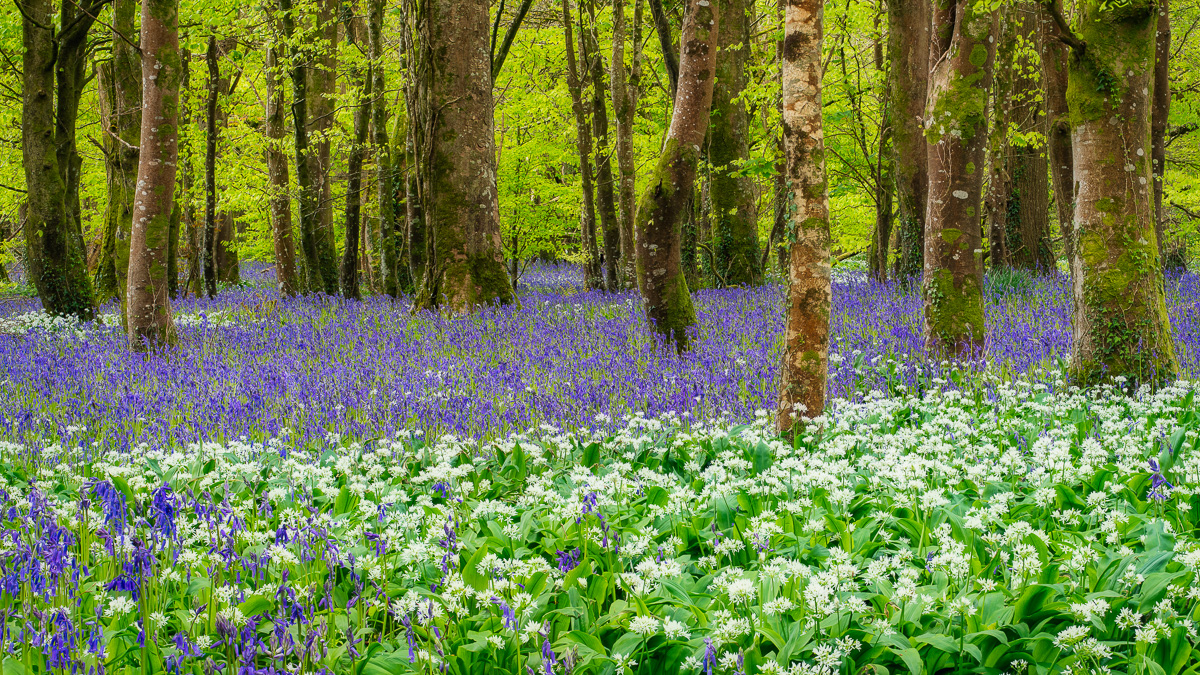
1065, 34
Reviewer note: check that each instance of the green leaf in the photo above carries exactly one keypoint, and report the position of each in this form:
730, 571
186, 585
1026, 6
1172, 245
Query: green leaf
256, 604
470, 569
912, 659
939, 641
586, 639
1031, 601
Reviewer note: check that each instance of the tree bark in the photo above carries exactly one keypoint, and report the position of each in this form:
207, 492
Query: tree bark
210, 168
187, 183
384, 169
150, 322
583, 143
669, 189
609, 227
961, 59
55, 253
734, 208
277, 174
348, 274
1058, 131
625, 92
119, 89
458, 159
1028, 209
322, 106
299, 55
881, 234
908, 51
810, 292
1120, 326
1159, 117
999, 183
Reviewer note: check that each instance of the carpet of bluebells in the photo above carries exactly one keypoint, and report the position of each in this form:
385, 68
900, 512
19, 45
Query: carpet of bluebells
313, 486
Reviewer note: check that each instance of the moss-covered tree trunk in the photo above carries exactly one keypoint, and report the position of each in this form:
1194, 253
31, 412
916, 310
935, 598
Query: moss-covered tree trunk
908, 52
385, 189
961, 56
1159, 117
602, 151
734, 206
583, 145
625, 93
280, 206
119, 93
1120, 325
810, 291
669, 189
466, 268
322, 103
884, 175
299, 56
56, 259
1055, 57
1028, 208
150, 322
348, 273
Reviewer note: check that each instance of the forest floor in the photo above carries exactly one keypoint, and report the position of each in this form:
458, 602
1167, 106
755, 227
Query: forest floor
312, 484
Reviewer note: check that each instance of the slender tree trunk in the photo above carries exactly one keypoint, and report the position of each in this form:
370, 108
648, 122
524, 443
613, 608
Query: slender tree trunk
583, 143
609, 227
1055, 56
414, 215
119, 89
1159, 118
663, 27
908, 52
383, 156
71, 67
881, 234
999, 182
193, 279
956, 127
1120, 325
150, 322
466, 269
348, 274
734, 207
322, 107
313, 282
56, 259
669, 189
1029, 193
810, 291
277, 174
210, 169
625, 91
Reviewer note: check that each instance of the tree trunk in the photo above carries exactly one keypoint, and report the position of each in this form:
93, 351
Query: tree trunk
999, 182
669, 189
150, 322
625, 103
810, 291
881, 234
313, 282
734, 211
908, 51
1120, 325
1058, 131
609, 227
210, 169
322, 109
458, 163
1028, 195
74, 51
383, 157
55, 255
1159, 117
583, 144
119, 90
348, 274
961, 59
663, 27
277, 174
